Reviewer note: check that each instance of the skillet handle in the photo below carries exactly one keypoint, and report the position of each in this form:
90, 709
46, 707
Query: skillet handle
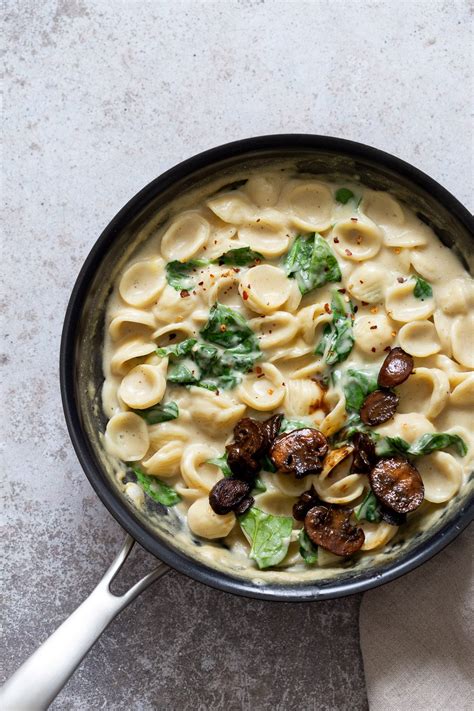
37, 682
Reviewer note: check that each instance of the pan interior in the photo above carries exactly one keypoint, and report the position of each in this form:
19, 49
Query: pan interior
162, 530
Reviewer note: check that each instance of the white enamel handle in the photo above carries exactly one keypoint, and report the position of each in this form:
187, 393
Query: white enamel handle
36, 683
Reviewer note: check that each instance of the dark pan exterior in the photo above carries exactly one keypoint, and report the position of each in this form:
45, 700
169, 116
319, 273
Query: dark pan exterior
315, 154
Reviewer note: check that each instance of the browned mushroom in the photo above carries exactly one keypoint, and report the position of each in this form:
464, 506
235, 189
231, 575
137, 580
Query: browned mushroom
392, 517
244, 505
306, 501
251, 433
330, 528
272, 428
299, 452
378, 407
227, 494
364, 453
244, 453
397, 484
395, 369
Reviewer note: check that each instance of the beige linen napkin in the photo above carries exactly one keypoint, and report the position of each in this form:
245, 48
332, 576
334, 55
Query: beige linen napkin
416, 636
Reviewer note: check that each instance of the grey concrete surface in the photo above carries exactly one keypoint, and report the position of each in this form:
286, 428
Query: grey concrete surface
100, 97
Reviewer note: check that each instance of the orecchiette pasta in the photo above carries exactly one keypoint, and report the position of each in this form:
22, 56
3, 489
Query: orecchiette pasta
275, 330
310, 205
402, 304
265, 288
143, 282
143, 386
264, 390
185, 237
235, 331
356, 239
126, 436
205, 523
419, 339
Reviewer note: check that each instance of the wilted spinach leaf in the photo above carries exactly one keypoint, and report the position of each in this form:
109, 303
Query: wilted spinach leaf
369, 509
178, 274
308, 550
239, 257
162, 412
422, 289
291, 425
221, 462
337, 340
227, 327
155, 488
311, 262
258, 486
357, 384
268, 535
343, 195
426, 444
178, 350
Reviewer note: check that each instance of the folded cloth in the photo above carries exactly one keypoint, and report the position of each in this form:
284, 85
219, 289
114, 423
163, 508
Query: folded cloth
416, 636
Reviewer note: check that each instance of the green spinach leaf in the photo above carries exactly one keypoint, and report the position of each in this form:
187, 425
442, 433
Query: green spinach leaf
178, 274
183, 374
343, 195
308, 550
155, 488
227, 328
338, 338
239, 257
178, 350
267, 464
291, 425
422, 289
159, 413
426, 444
221, 462
357, 384
258, 486
232, 349
369, 509
269, 536
311, 262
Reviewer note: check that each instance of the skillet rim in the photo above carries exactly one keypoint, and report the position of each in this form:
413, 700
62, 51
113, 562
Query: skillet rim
115, 505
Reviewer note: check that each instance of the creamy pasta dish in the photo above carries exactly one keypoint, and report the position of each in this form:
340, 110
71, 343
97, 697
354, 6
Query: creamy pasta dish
289, 372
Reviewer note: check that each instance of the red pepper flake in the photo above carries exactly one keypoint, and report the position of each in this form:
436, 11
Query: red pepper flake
336, 240
262, 375
258, 370
348, 252
327, 308
372, 328
401, 279
184, 293
342, 291
373, 349
222, 328
245, 296
200, 283
236, 270
217, 392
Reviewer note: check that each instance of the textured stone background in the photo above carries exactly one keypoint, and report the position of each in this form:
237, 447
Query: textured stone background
102, 96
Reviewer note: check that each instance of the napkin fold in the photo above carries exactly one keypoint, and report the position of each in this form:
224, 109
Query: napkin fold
416, 636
